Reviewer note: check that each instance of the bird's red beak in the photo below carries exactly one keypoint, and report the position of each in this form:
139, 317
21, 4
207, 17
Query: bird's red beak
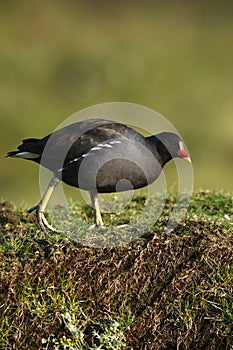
182, 153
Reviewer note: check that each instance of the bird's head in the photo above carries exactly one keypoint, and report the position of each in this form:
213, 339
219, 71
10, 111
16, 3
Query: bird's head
173, 146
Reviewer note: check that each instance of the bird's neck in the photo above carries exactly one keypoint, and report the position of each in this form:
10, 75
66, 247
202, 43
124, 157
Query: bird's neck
158, 149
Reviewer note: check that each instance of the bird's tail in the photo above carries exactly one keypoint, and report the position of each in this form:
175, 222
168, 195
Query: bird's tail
25, 150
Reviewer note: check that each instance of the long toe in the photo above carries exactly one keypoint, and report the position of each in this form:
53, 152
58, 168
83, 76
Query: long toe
40, 217
32, 209
43, 223
48, 226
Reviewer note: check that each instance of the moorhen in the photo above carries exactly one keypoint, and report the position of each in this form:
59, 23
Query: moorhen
99, 156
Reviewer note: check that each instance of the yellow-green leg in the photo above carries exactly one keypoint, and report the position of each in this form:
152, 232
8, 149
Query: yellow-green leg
95, 205
40, 208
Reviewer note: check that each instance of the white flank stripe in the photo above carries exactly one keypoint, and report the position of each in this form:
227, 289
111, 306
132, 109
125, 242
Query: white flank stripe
107, 145
96, 148
70, 162
100, 146
114, 142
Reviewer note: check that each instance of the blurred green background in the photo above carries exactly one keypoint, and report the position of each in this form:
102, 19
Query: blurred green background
176, 57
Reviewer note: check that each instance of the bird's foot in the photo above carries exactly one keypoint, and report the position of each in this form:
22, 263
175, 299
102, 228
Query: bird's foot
42, 221
92, 227
95, 226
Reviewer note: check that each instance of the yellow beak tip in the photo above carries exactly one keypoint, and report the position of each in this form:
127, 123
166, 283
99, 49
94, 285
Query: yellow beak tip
188, 159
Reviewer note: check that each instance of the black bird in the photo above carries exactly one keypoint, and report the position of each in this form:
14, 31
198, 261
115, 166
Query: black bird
99, 156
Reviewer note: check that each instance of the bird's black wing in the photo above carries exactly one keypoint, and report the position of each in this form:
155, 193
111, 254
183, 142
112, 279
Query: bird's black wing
70, 142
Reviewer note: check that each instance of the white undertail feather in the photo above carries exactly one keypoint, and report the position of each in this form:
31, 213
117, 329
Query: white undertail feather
26, 155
